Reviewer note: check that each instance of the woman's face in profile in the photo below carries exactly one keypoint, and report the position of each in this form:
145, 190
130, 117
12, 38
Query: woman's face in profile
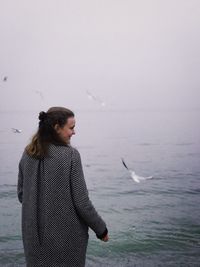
66, 132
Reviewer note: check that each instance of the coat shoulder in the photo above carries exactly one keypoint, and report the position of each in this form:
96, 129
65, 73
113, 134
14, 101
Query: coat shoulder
62, 151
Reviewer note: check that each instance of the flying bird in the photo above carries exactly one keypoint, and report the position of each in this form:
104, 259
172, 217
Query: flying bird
40, 94
134, 176
5, 79
16, 130
95, 98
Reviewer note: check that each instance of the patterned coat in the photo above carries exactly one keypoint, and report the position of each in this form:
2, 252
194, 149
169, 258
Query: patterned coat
56, 209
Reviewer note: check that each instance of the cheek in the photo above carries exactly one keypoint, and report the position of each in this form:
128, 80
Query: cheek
64, 133
68, 132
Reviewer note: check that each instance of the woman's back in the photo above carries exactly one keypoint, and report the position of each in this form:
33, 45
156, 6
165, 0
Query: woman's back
56, 209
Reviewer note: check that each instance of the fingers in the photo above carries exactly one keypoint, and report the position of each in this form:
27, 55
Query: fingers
106, 238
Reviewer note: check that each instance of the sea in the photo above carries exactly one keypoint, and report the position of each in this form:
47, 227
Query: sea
152, 223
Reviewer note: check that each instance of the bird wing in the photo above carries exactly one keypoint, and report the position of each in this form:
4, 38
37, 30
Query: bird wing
144, 178
124, 164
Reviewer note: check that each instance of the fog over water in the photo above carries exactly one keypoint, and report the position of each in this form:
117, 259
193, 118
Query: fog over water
132, 54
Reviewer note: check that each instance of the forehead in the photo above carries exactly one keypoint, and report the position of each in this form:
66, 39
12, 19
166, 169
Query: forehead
71, 121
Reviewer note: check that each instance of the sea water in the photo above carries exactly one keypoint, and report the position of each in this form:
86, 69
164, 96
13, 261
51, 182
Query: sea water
153, 223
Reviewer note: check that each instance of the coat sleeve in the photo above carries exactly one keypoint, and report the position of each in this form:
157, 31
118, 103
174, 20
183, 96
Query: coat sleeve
82, 203
20, 183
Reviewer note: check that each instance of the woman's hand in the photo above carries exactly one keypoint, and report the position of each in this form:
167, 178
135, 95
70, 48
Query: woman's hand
105, 238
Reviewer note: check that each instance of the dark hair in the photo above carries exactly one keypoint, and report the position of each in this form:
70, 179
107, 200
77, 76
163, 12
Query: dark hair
46, 134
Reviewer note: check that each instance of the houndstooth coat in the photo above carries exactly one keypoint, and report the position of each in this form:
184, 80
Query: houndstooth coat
56, 209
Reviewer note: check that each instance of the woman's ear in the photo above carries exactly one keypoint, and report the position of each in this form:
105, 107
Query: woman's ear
57, 128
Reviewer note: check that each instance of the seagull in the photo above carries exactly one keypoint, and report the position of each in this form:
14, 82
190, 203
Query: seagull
5, 79
16, 130
90, 96
95, 98
40, 94
135, 177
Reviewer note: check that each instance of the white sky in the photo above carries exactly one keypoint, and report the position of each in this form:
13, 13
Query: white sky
132, 54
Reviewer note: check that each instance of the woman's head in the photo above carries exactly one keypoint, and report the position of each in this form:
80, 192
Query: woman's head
56, 126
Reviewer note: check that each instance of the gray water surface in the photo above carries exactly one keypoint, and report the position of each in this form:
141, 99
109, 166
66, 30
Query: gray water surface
153, 223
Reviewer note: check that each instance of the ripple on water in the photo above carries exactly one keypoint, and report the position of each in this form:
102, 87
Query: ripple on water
8, 191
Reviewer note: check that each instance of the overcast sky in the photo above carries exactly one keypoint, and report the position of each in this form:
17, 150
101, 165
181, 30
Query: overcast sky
130, 53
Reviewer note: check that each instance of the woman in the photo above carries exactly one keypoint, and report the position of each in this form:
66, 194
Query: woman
56, 209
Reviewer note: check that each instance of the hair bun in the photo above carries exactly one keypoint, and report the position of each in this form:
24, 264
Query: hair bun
42, 116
